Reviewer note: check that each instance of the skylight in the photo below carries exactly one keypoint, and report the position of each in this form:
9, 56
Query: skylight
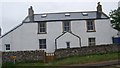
85, 14
67, 14
44, 15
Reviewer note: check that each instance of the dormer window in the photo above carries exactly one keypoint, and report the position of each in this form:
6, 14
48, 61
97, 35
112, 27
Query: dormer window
85, 14
44, 15
67, 14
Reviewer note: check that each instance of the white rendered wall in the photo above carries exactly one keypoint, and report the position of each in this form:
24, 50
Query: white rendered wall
104, 31
26, 37
68, 37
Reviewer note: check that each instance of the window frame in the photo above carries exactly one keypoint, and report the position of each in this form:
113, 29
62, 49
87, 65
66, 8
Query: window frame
67, 44
39, 27
93, 42
7, 47
65, 27
90, 25
42, 45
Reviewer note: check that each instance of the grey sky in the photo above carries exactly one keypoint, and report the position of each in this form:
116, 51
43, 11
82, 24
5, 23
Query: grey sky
13, 12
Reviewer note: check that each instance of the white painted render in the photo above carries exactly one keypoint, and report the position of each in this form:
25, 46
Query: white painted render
26, 36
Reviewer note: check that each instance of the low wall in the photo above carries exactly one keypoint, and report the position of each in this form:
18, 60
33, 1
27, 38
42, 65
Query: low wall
62, 53
23, 56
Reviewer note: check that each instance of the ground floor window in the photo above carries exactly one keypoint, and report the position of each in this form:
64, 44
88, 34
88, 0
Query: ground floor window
7, 46
42, 43
91, 41
68, 44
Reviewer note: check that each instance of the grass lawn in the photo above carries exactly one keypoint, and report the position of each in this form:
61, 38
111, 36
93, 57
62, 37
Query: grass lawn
75, 60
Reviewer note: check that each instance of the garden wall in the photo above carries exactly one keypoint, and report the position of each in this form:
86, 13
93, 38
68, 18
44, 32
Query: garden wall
23, 56
62, 53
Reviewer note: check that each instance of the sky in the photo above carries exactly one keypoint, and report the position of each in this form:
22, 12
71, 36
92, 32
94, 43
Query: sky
13, 12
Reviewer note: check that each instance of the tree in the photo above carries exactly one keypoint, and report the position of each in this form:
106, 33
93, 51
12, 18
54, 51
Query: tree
115, 18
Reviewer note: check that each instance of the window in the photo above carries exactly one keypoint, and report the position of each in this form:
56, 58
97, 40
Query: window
42, 27
44, 15
85, 14
7, 46
42, 43
67, 14
66, 26
90, 25
68, 44
91, 41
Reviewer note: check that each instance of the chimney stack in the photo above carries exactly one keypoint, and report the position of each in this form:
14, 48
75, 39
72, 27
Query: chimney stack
31, 13
99, 10
99, 7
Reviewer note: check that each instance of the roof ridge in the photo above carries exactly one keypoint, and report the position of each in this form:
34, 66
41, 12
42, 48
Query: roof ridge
64, 12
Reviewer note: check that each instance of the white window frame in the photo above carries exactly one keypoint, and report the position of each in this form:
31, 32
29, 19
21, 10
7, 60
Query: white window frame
90, 42
7, 46
68, 46
43, 27
42, 45
66, 26
90, 25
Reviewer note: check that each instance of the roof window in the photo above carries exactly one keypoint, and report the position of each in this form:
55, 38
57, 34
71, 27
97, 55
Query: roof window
67, 14
44, 15
85, 14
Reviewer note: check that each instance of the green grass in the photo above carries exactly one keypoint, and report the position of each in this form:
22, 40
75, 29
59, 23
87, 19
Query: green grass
75, 60
85, 59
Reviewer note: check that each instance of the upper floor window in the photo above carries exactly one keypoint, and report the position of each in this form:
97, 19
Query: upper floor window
90, 25
42, 43
91, 41
42, 27
66, 26
7, 46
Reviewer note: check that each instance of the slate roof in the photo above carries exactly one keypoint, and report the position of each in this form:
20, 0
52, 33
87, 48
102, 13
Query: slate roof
61, 16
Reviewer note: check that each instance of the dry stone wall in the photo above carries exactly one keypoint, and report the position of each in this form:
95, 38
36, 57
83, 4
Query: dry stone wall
23, 56
62, 53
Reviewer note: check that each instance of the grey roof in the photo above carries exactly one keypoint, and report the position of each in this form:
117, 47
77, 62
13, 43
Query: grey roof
61, 16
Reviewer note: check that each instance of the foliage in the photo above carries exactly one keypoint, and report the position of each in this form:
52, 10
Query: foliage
115, 18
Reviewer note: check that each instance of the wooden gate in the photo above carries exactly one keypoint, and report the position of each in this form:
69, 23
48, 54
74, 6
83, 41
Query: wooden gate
49, 57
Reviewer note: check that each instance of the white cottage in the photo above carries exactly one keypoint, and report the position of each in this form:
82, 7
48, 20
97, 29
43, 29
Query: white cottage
50, 31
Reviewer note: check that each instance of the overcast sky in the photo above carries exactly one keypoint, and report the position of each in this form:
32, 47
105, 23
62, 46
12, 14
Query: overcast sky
12, 12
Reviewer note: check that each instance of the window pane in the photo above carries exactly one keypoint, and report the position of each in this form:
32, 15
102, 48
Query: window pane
42, 27
7, 46
42, 43
91, 41
43, 30
90, 25
68, 44
66, 26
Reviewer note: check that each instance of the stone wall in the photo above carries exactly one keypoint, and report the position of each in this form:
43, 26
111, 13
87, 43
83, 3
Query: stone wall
62, 53
23, 56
